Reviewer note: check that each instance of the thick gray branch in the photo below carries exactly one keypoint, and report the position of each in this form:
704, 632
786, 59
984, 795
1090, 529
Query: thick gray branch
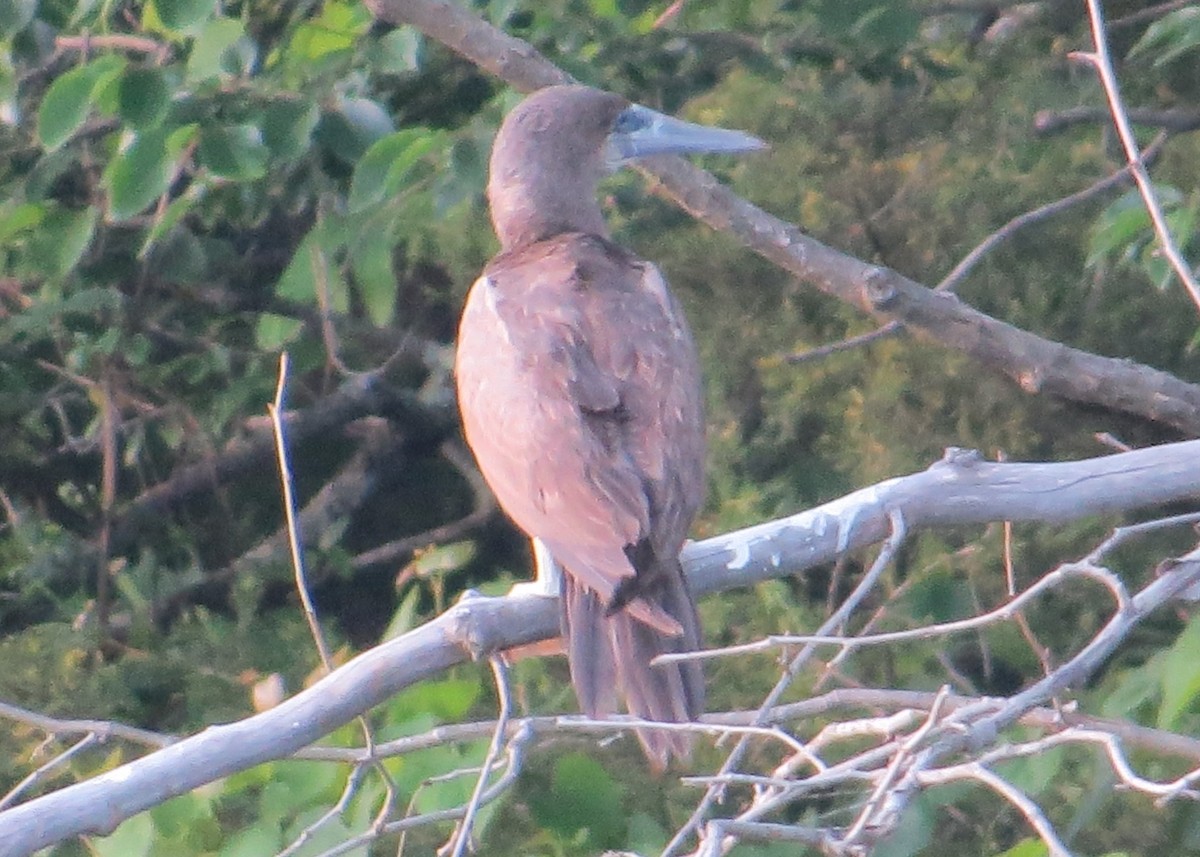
960, 489
1036, 364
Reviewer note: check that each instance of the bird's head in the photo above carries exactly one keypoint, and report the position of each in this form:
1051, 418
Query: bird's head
555, 146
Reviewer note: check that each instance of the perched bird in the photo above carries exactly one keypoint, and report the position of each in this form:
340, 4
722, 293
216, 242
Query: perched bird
580, 396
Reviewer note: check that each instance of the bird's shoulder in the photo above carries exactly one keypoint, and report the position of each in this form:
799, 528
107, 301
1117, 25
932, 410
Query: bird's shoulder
568, 264
580, 285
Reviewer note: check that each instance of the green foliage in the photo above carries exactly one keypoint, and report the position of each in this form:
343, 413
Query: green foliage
196, 186
582, 805
1124, 230
1170, 37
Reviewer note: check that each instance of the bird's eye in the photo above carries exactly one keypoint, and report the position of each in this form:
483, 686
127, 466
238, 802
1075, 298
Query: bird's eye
628, 121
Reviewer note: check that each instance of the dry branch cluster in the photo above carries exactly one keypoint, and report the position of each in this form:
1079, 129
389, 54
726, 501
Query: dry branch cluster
925, 740
878, 749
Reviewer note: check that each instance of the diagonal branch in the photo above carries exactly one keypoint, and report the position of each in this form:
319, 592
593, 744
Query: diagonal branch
961, 489
1038, 365
1101, 61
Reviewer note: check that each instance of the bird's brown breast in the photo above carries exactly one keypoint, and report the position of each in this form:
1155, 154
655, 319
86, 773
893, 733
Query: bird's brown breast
580, 394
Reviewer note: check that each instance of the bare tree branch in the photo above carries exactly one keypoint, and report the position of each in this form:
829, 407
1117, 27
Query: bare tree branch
968, 263
1176, 121
961, 489
1101, 61
1038, 365
361, 395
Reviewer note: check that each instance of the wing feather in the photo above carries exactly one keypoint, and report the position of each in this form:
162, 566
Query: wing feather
579, 389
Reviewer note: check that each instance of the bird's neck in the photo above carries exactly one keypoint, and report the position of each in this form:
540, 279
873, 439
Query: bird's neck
530, 206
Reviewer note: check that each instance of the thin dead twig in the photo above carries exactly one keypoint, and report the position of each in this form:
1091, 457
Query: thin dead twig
1101, 61
462, 839
882, 560
1032, 812
276, 410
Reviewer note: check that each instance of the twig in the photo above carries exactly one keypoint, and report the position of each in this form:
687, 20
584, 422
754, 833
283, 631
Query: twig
339, 498
1101, 61
1032, 812
1174, 121
348, 791
885, 783
276, 410
721, 829
500, 675
111, 41
968, 263
848, 344
1120, 535
713, 793
1056, 578
483, 506
1150, 13
39, 774
516, 750
329, 337
358, 396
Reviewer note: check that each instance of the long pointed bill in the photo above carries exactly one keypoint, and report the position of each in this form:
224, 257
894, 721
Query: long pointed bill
640, 131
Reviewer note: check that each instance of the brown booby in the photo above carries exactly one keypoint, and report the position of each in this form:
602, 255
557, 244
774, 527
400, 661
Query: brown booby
580, 395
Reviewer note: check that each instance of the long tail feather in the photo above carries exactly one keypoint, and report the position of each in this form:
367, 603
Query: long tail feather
610, 654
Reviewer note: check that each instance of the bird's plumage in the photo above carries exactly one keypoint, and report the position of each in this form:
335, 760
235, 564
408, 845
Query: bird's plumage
580, 396
580, 393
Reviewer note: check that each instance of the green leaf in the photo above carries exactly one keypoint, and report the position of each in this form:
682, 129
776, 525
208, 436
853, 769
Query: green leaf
173, 213
138, 175
184, 15
1125, 222
10, 111
15, 15
914, 831
142, 97
442, 559
314, 266
287, 127
582, 799
465, 177
397, 52
82, 9
180, 138
253, 841
92, 303
405, 617
371, 261
448, 700
350, 128
272, 332
233, 151
180, 258
22, 218
49, 168
63, 237
134, 838
338, 28
1171, 36
381, 170
176, 816
209, 49
66, 104
1181, 676
1029, 847
1033, 774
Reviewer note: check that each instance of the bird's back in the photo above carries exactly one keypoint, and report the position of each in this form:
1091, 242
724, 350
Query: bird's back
577, 374
580, 393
